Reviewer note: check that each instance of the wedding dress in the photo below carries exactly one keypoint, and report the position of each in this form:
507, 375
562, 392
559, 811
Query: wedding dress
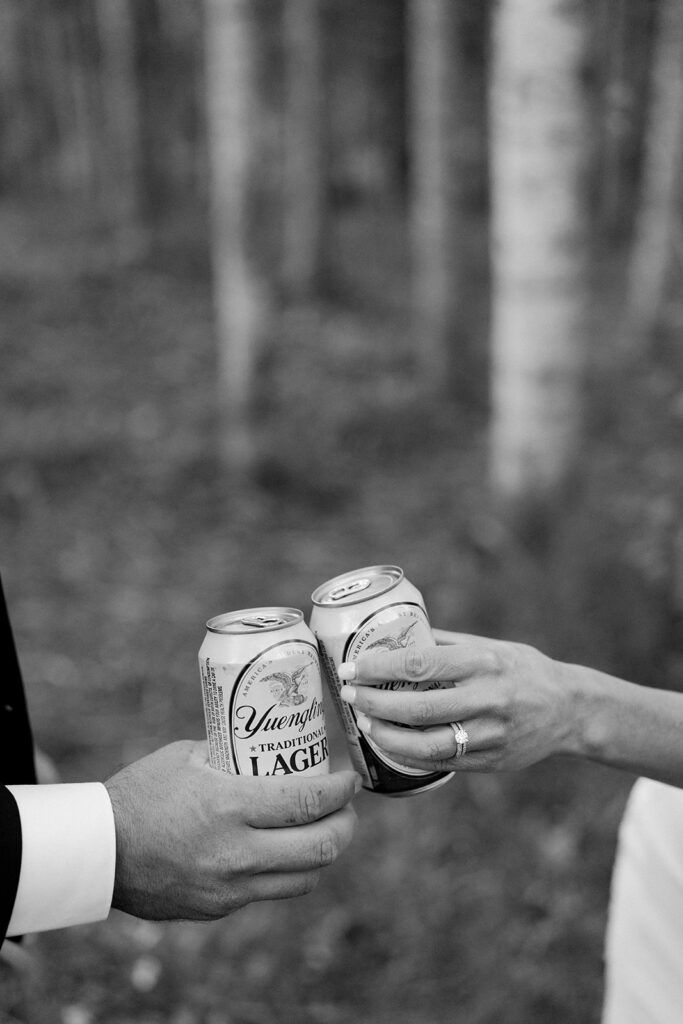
644, 945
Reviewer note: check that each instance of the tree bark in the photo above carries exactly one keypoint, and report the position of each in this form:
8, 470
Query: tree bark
70, 164
430, 217
657, 216
240, 291
123, 198
540, 145
447, 147
304, 170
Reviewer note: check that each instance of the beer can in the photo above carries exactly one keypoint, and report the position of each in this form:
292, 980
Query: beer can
262, 691
372, 609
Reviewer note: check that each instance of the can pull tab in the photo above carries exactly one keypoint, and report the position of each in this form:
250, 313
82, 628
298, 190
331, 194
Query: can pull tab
264, 621
347, 589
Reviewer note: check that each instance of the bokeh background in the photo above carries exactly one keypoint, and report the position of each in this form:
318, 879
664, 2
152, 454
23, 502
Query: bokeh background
289, 287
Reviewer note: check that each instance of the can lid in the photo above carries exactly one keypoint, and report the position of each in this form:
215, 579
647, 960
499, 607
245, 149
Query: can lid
255, 620
358, 585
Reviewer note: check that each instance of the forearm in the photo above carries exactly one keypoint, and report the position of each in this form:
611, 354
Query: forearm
626, 726
516, 705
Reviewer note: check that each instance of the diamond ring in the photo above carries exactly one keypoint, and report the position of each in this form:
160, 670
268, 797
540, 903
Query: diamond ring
461, 738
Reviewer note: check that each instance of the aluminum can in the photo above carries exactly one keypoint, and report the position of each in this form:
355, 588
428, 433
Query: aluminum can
262, 691
375, 608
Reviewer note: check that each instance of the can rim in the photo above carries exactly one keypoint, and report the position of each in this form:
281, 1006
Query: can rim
329, 585
434, 784
282, 617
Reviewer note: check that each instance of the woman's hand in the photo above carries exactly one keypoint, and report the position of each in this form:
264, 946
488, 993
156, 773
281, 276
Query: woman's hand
516, 705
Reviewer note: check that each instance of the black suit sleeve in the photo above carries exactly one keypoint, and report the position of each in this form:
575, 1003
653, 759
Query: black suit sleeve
16, 741
16, 765
10, 856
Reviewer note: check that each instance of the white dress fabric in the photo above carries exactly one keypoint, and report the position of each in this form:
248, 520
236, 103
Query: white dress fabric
644, 945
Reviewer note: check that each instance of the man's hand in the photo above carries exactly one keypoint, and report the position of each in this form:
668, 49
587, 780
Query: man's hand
195, 843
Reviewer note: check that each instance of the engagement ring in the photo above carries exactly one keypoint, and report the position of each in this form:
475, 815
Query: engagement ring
461, 738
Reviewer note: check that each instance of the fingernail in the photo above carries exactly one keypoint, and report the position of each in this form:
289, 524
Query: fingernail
347, 671
348, 693
357, 784
363, 722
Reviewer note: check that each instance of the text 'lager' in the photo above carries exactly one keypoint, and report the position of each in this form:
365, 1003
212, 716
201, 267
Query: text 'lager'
262, 691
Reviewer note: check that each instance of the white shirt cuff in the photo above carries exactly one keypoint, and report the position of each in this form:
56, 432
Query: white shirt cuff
68, 856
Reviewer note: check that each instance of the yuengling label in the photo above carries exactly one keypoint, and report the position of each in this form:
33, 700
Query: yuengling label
276, 720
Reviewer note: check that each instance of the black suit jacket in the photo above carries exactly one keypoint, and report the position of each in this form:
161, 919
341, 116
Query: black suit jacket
16, 765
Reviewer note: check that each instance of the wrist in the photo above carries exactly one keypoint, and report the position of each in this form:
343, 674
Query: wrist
119, 901
590, 720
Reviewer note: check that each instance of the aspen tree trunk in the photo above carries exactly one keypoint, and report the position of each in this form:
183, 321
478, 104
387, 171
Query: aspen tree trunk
448, 114
304, 184
540, 141
11, 99
157, 164
239, 287
622, 48
122, 198
657, 216
62, 68
428, 28
85, 125
611, 26
10, 37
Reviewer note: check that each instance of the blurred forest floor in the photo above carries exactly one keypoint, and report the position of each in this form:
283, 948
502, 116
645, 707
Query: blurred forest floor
483, 902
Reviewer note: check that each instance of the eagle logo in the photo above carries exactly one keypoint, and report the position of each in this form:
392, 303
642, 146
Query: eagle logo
285, 687
393, 643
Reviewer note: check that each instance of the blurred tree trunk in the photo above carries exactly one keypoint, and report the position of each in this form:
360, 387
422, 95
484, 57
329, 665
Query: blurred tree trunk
540, 146
447, 152
13, 56
71, 160
239, 285
658, 213
611, 24
431, 228
170, 56
155, 168
622, 35
304, 170
81, 127
122, 198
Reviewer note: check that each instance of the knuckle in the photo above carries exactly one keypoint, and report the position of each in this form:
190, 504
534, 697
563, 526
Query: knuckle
498, 734
307, 883
245, 894
310, 803
493, 662
326, 851
506, 703
348, 828
417, 664
494, 761
434, 750
421, 711
239, 861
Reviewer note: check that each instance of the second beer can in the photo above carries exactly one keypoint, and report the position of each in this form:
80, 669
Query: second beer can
262, 691
375, 608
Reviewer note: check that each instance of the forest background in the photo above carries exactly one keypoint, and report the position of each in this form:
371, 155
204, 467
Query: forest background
290, 287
